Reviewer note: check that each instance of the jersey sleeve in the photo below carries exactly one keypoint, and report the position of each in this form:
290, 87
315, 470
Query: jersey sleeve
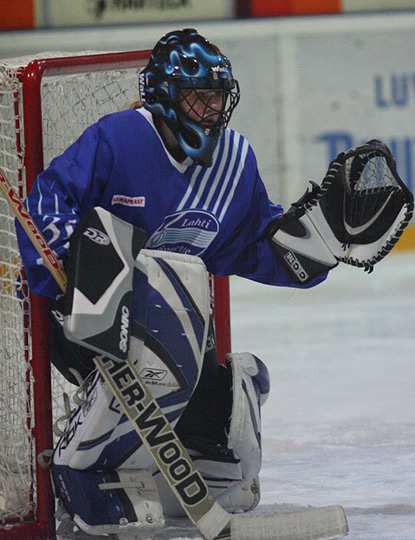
60, 196
246, 252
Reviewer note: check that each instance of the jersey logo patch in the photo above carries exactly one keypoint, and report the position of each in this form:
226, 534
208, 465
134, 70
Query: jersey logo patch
190, 232
128, 201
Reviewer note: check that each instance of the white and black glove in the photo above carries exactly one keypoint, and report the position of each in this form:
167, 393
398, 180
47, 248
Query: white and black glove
355, 216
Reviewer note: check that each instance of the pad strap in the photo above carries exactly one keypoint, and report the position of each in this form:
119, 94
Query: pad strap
110, 502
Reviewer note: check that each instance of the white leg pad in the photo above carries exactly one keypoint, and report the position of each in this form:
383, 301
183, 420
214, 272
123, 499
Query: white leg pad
234, 482
250, 391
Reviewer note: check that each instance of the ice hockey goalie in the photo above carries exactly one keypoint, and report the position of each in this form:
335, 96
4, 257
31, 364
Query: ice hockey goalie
153, 307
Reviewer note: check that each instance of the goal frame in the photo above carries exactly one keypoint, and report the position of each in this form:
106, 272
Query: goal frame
41, 524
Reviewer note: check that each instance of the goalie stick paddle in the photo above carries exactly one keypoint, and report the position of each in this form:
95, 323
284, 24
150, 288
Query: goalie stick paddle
159, 437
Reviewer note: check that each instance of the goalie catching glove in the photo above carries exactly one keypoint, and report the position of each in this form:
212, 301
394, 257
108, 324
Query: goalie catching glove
355, 216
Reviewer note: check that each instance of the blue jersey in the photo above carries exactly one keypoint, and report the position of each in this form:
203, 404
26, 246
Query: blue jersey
120, 163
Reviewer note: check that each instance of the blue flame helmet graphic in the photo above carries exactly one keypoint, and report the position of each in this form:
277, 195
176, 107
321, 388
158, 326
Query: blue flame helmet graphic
184, 63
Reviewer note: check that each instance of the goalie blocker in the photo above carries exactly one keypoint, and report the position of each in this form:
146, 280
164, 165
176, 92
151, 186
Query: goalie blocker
356, 216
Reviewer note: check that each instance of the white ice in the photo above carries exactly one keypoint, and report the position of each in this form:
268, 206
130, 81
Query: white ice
339, 426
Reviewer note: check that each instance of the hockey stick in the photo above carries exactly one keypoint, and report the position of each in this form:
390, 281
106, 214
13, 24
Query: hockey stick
139, 405
167, 450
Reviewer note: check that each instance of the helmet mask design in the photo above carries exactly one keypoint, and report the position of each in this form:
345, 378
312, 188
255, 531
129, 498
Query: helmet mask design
188, 83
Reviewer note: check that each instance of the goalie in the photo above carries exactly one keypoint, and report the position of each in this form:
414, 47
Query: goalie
174, 170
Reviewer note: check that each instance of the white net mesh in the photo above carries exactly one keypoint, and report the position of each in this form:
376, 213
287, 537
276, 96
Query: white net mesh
16, 451
70, 102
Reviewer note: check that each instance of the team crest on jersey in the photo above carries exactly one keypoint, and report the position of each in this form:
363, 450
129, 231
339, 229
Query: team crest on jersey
190, 232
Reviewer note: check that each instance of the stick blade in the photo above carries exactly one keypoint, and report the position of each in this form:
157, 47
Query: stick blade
325, 523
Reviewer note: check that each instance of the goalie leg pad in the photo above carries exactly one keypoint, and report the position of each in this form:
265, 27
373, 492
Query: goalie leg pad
231, 462
98, 435
170, 311
251, 386
112, 502
170, 320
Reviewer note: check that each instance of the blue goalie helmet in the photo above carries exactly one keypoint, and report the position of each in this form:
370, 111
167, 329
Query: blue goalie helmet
188, 83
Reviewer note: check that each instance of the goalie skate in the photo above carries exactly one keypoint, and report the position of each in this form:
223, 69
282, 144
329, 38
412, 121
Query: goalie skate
67, 530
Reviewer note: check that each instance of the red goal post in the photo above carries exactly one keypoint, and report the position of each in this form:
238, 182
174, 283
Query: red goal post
45, 104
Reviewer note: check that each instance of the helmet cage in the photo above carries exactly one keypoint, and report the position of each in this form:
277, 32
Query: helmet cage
210, 107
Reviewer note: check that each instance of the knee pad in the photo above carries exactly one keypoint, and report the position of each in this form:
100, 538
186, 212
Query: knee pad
230, 462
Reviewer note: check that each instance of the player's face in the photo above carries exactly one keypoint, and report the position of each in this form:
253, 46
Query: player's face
202, 106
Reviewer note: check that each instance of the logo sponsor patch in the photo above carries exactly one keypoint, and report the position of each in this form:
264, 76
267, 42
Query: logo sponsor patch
220, 69
128, 201
97, 236
58, 316
190, 232
153, 374
296, 266
125, 322
354, 231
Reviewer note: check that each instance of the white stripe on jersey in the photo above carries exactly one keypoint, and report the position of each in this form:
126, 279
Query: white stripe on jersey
189, 190
229, 146
193, 180
225, 173
208, 174
39, 206
236, 178
229, 174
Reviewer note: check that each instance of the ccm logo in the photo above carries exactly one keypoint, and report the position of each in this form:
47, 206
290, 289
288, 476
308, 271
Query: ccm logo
125, 318
296, 266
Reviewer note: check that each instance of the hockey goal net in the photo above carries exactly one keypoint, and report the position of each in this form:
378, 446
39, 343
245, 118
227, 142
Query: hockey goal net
45, 104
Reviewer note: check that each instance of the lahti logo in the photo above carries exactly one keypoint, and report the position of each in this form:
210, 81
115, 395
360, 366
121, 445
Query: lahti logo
190, 232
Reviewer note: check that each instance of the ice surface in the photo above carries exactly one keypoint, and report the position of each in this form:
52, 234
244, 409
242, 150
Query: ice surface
339, 426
